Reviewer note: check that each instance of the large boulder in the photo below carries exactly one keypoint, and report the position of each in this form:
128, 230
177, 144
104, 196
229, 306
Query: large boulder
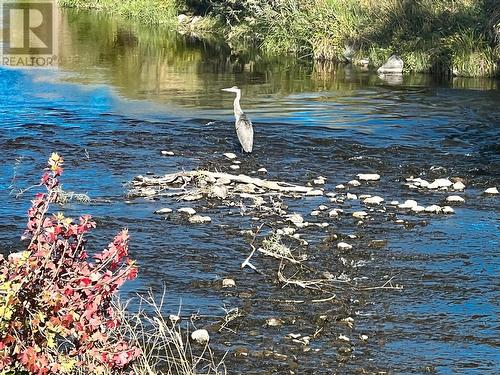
394, 65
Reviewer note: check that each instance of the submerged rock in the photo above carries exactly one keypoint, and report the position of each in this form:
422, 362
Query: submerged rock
201, 336
393, 65
368, 176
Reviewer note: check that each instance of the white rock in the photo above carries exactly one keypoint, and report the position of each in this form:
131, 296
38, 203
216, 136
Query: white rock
354, 183
187, 210
459, 185
262, 170
440, 183
455, 199
418, 208
419, 182
433, 209
198, 219
368, 176
220, 191
230, 155
393, 65
273, 322
410, 203
314, 193
234, 167
236, 162
319, 181
352, 236
344, 338
228, 283
359, 214
201, 336
163, 211
448, 210
373, 200
364, 196
394, 203
322, 225
333, 213
296, 219
363, 337
315, 213
289, 231
340, 186
223, 181
344, 246
168, 153
351, 196
491, 190
322, 207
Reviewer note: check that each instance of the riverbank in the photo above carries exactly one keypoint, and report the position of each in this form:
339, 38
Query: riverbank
461, 39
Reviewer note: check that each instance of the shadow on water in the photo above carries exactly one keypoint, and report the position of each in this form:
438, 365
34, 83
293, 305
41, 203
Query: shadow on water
123, 93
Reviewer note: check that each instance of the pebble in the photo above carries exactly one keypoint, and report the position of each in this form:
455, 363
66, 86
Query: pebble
433, 209
201, 336
368, 176
418, 208
359, 214
198, 219
459, 185
455, 199
230, 155
344, 246
410, 203
163, 211
322, 207
228, 283
314, 193
187, 210
273, 322
491, 190
351, 196
440, 183
448, 210
262, 170
354, 183
168, 153
373, 200
234, 167
340, 186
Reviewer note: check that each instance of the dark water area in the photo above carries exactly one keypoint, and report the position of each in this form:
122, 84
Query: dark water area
122, 94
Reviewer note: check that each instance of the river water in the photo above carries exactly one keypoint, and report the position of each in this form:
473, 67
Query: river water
122, 94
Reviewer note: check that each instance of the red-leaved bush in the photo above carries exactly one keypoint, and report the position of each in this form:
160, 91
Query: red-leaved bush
56, 307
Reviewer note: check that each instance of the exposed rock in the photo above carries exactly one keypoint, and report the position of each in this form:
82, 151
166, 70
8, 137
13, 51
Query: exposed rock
363, 337
373, 200
167, 153
455, 199
344, 246
394, 203
187, 210
440, 183
262, 170
364, 196
418, 208
393, 65
344, 338
198, 219
359, 214
315, 213
230, 155
354, 183
459, 185
351, 196
234, 166
296, 219
192, 197
340, 186
273, 322
491, 190
433, 209
368, 176
319, 181
448, 210
314, 193
333, 213
201, 336
408, 204
220, 191
228, 283
163, 211
322, 207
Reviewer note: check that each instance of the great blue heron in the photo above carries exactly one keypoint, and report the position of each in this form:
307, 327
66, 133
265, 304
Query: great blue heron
244, 128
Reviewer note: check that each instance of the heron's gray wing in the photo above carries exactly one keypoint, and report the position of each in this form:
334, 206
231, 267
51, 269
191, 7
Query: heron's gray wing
244, 130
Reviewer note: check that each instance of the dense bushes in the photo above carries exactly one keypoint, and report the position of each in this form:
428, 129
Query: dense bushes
56, 310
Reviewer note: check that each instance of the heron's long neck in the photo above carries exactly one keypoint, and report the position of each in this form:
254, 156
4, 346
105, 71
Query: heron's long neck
237, 109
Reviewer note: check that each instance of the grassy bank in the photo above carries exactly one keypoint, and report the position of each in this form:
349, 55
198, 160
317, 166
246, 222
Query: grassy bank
461, 37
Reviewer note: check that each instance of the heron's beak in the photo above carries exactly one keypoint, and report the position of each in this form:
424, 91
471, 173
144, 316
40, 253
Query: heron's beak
228, 90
